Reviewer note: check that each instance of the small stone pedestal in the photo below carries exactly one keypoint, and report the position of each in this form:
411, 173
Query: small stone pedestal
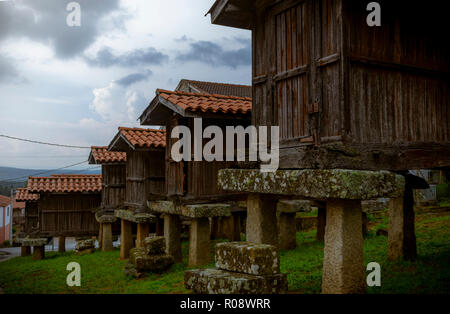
343, 190
242, 268
199, 232
288, 229
38, 252
84, 246
105, 234
25, 251
143, 231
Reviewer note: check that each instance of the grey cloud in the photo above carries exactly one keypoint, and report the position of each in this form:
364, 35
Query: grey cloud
134, 78
214, 54
18, 18
9, 73
105, 58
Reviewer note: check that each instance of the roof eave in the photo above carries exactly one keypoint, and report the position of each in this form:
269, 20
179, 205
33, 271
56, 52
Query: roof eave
233, 13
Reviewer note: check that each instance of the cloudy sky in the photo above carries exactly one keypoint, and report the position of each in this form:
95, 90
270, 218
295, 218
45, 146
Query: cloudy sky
76, 85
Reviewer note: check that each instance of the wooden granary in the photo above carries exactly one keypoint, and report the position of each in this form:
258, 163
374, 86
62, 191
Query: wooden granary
31, 210
345, 94
145, 177
191, 185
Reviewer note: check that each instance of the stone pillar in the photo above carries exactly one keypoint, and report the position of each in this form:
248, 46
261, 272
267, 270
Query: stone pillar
343, 269
321, 221
199, 242
401, 233
107, 242
39, 252
231, 227
126, 239
100, 236
214, 228
61, 244
288, 231
261, 219
143, 231
159, 227
172, 233
25, 251
364, 224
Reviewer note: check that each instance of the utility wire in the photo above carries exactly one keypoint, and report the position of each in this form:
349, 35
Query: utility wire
38, 173
42, 143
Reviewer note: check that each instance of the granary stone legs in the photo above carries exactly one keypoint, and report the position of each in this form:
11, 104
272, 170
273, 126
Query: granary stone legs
126, 239
25, 251
364, 224
261, 219
199, 242
172, 233
143, 231
61, 244
38, 252
159, 227
232, 227
288, 227
343, 269
107, 242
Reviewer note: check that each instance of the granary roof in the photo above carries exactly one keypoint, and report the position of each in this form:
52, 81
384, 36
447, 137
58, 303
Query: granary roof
65, 183
4, 200
236, 13
24, 195
193, 105
216, 88
101, 155
138, 138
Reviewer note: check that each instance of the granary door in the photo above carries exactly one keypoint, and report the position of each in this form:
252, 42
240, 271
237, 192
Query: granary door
288, 39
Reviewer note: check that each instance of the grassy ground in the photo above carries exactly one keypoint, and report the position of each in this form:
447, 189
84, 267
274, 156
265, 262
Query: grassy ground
103, 272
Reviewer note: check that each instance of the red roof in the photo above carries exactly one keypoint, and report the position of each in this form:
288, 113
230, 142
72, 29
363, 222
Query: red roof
207, 102
23, 195
220, 88
65, 183
101, 155
4, 201
144, 138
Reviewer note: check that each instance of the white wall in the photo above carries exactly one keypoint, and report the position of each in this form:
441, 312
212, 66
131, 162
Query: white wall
1, 216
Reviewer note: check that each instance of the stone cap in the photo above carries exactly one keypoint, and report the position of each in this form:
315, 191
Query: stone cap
191, 211
293, 206
314, 183
369, 206
134, 217
33, 242
105, 218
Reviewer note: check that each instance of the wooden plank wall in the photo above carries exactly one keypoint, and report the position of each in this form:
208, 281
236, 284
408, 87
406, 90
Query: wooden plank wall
113, 185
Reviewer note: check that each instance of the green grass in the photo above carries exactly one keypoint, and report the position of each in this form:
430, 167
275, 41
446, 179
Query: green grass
102, 272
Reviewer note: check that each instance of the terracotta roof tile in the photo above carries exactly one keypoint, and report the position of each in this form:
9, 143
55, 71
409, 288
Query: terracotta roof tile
4, 200
101, 155
222, 88
207, 102
144, 138
23, 195
65, 183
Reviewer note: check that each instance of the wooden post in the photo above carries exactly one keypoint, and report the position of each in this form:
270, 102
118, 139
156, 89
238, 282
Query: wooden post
61, 244
107, 242
261, 219
172, 233
143, 231
199, 242
343, 269
126, 239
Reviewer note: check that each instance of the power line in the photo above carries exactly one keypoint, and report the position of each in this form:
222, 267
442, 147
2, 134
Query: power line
42, 143
38, 173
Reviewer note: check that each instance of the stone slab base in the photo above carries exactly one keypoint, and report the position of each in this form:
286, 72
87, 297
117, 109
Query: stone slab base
216, 281
134, 217
293, 206
191, 211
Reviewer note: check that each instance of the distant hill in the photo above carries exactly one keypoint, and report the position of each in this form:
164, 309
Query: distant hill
22, 174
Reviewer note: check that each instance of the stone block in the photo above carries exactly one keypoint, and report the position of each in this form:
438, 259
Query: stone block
316, 184
216, 281
248, 258
191, 211
83, 245
155, 245
152, 263
293, 206
134, 217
